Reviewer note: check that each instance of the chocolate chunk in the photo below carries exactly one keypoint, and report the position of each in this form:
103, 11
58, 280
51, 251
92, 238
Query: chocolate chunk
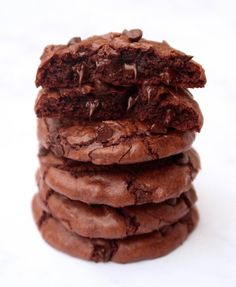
134, 35
104, 134
153, 93
166, 77
131, 102
131, 67
92, 105
80, 71
74, 40
148, 90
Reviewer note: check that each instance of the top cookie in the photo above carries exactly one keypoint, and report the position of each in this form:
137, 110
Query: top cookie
117, 58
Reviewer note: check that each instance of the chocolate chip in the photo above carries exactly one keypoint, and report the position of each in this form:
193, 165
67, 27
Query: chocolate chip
131, 67
131, 102
92, 105
134, 35
80, 71
152, 93
74, 40
148, 90
104, 133
166, 76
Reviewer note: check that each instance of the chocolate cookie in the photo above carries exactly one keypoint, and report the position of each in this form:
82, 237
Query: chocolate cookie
110, 142
163, 106
102, 221
133, 248
118, 59
120, 185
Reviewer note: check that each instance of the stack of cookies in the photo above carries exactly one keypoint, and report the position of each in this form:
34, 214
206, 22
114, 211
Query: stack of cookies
115, 127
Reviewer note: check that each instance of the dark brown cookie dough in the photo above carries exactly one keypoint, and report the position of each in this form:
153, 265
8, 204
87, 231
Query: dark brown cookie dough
110, 142
103, 221
120, 185
130, 249
119, 59
163, 106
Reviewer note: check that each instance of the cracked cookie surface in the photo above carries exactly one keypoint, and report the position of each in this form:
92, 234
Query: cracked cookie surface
103, 221
120, 185
130, 249
110, 142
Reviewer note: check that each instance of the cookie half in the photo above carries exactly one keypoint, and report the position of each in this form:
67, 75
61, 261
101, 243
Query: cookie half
119, 59
163, 106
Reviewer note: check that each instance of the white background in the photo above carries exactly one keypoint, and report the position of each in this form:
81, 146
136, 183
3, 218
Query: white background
205, 29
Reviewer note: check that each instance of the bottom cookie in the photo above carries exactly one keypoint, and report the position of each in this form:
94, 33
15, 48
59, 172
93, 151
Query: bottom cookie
130, 249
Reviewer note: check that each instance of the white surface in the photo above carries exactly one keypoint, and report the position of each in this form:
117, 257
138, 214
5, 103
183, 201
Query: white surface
205, 29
